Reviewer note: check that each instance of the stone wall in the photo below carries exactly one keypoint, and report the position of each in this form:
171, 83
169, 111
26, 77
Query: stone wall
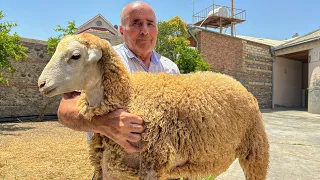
21, 97
248, 62
258, 69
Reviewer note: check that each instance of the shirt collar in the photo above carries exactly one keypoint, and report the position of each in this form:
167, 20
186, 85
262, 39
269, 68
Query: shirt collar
131, 55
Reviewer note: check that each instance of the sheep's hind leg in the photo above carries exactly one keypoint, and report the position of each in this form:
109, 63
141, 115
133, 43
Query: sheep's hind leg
255, 163
188, 172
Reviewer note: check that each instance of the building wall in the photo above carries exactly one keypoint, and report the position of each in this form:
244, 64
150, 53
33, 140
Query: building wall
114, 40
314, 81
305, 85
258, 70
104, 25
113, 36
314, 55
248, 62
21, 97
314, 92
287, 83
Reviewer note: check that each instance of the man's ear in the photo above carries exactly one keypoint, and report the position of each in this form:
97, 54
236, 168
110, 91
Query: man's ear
121, 30
94, 55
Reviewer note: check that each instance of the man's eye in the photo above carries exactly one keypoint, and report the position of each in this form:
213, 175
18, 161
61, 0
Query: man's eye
136, 23
75, 56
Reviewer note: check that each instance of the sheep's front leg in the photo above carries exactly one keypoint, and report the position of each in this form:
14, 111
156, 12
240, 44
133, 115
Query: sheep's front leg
116, 164
152, 175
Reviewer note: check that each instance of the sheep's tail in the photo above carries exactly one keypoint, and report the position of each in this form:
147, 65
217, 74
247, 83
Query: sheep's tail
96, 152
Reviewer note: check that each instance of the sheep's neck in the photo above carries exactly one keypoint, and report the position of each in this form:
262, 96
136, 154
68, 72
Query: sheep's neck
116, 83
95, 94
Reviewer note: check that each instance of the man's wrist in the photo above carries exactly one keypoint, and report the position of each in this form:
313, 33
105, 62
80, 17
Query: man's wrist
94, 125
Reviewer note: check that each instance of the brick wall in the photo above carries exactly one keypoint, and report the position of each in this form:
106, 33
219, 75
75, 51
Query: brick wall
248, 62
21, 97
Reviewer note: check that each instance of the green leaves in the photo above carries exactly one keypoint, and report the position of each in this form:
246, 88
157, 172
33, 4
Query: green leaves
10, 47
52, 44
53, 41
188, 59
172, 42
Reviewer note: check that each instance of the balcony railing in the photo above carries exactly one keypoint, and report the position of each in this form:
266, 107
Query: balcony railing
238, 15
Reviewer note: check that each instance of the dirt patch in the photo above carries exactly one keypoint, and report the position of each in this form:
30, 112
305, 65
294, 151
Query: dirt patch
43, 150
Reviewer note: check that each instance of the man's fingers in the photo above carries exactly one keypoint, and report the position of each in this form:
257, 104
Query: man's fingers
128, 147
136, 128
133, 137
134, 119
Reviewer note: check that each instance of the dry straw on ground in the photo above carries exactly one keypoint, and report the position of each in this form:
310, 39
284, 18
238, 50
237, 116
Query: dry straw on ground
43, 150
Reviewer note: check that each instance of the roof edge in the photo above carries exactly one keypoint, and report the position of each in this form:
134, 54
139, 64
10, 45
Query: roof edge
227, 35
99, 15
282, 46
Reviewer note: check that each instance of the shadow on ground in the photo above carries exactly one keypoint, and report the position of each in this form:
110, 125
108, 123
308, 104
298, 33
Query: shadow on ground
8, 129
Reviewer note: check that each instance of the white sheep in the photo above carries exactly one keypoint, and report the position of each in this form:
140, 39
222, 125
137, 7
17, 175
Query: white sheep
198, 123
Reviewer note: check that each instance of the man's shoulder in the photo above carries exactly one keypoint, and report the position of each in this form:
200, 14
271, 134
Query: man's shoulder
167, 63
117, 47
162, 59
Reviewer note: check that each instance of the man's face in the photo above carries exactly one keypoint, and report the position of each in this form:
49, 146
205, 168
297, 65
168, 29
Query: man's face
139, 30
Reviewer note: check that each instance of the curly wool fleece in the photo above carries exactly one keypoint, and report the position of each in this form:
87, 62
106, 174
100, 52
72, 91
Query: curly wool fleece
198, 123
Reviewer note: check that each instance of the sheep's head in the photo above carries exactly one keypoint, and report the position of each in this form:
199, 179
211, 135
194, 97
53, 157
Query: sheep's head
73, 66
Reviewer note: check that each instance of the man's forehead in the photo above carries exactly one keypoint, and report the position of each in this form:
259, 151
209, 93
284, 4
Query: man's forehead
142, 19
141, 13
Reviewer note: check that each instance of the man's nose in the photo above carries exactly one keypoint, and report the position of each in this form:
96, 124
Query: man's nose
144, 29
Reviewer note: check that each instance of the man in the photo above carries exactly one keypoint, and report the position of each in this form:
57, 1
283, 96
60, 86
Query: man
139, 32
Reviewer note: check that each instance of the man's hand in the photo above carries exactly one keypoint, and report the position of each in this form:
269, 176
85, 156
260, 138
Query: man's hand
121, 127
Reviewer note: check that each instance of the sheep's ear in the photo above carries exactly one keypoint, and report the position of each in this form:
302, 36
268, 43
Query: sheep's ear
94, 55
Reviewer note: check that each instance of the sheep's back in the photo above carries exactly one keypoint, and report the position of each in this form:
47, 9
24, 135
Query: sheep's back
192, 114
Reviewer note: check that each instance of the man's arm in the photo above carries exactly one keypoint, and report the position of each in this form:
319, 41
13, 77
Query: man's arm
120, 126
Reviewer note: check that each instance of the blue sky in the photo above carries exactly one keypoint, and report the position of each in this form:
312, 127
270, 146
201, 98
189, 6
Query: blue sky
274, 19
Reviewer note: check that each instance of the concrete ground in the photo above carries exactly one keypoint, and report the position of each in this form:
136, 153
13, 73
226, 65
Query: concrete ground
294, 137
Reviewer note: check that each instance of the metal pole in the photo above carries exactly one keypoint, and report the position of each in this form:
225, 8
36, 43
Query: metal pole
212, 6
220, 26
232, 15
193, 12
232, 7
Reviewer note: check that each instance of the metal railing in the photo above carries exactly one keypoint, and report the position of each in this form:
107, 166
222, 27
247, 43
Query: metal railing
214, 10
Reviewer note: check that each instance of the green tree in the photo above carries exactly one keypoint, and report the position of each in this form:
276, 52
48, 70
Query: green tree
188, 59
172, 42
10, 47
53, 41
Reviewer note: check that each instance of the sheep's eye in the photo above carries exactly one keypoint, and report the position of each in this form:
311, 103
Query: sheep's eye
75, 56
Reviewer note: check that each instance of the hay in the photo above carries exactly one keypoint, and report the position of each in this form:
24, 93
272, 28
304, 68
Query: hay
43, 150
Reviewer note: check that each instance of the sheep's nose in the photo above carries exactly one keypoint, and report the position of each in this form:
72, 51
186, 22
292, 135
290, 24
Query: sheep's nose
42, 84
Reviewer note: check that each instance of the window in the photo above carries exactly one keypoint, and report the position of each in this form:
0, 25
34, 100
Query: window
99, 23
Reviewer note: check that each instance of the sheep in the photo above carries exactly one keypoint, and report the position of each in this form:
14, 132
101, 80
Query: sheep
198, 123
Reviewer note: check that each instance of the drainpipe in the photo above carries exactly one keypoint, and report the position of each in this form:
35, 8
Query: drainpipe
190, 28
272, 52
